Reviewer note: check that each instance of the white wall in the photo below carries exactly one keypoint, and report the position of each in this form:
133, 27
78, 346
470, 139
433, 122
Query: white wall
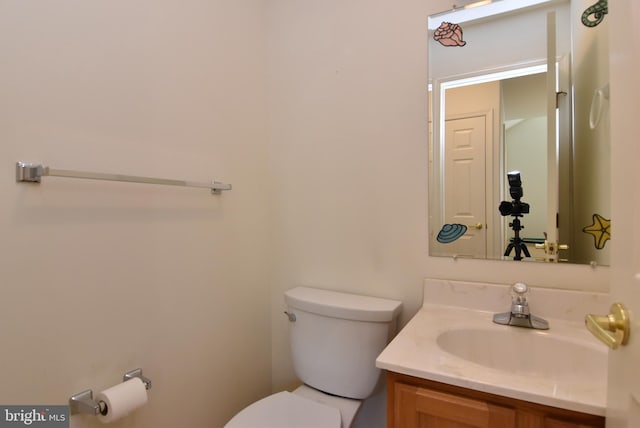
348, 130
515, 38
524, 103
181, 278
523, 152
592, 147
99, 278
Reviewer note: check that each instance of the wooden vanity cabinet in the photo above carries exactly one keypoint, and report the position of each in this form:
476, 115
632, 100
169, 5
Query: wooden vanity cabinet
418, 403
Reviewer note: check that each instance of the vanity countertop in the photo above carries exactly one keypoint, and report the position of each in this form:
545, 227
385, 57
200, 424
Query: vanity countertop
570, 380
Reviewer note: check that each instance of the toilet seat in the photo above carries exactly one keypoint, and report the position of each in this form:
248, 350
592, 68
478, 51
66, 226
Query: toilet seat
286, 410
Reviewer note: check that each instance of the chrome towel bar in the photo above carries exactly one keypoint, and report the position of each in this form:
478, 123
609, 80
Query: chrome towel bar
33, 173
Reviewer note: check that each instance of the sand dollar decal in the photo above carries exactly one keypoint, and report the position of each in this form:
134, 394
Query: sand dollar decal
451, 232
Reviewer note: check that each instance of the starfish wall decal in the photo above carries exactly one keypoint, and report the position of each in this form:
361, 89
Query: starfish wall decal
600, 229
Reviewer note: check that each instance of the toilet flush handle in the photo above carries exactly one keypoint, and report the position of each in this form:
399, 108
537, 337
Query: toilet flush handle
292, 316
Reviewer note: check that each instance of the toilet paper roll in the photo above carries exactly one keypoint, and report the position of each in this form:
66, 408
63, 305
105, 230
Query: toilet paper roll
122, 399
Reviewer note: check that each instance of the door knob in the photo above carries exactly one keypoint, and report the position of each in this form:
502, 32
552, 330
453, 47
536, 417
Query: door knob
477, 226
612, 329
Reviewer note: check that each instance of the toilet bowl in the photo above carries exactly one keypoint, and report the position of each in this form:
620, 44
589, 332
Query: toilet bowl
335, 338
303, 408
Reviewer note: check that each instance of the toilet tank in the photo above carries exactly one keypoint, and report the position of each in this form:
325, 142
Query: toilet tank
336, 338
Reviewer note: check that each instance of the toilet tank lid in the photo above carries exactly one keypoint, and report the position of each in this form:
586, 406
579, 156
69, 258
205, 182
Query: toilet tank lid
342, 305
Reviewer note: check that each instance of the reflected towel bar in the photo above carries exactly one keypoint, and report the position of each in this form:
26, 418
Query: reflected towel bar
33, 173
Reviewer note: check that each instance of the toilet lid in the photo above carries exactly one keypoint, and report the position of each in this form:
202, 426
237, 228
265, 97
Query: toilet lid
286, 410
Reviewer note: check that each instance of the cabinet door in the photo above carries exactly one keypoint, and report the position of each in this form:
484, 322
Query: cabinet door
417, 407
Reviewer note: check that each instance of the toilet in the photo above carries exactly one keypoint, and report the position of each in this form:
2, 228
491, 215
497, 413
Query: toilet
335, 339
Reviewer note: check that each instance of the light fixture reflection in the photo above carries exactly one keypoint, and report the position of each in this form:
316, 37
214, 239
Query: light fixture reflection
472, 11
478, 3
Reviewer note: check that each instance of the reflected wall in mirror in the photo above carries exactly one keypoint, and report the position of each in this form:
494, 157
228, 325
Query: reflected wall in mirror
519, 89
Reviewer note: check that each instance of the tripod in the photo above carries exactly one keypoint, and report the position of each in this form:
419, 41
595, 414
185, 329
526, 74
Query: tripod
517, 243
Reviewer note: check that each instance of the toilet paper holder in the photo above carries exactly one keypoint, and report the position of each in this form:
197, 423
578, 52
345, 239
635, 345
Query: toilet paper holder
83, 402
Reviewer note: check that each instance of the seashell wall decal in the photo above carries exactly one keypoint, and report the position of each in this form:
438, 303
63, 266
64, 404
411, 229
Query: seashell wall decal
451, 232
449, 34
594, 14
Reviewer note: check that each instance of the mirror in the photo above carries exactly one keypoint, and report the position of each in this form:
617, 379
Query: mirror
519, 131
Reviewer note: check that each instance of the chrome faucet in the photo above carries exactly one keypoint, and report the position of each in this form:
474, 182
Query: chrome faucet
519, 315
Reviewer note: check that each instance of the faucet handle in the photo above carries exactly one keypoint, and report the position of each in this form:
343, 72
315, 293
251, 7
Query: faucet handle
520, 288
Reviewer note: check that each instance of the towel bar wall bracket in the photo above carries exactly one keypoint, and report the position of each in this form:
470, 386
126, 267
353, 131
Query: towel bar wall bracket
31, 172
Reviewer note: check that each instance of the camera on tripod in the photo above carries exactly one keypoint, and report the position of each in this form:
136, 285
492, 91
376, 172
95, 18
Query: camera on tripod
516, 207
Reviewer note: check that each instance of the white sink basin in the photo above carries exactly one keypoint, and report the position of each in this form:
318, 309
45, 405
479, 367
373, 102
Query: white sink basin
564, 366
525, 351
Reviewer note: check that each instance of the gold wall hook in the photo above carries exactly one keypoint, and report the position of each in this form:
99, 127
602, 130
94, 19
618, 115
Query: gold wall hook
613, 329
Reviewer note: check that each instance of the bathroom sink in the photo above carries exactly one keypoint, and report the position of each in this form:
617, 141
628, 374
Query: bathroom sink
452, 339
525, 352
